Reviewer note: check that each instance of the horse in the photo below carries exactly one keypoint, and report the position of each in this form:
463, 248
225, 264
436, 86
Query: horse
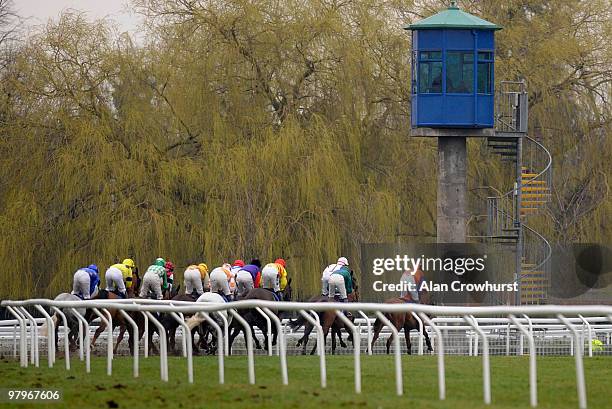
71, 321
138, 318
198, 320
170, 324
254, 318
328, 319
405, 320
117, 318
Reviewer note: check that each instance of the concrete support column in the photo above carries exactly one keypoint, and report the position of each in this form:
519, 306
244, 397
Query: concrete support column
452, 189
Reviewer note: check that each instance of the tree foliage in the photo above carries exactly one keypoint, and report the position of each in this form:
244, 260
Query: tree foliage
248, 128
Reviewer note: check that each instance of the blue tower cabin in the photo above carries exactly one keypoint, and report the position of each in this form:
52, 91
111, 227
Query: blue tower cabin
452, 71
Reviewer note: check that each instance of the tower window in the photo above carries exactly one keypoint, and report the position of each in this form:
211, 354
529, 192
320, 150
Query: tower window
485, 72
460, 72
430, 72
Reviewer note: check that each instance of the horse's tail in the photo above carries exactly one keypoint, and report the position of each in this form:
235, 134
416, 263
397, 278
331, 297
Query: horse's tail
297, 323
44, 329
194, 321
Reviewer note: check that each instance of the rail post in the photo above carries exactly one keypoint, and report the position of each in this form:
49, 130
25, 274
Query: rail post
66, 340
356, 348
440, 348
50, 335
225, 334
580, 385
369, 325
476, 334
187, 337
109, 340
249, 344
133, 339
421, 331
184, 337
315, 315
590, 334
282, 348
320, 343
146, 334
398, 353
23, 348
220, 343
84, 343
163, 348
486, 372
34, 335
533, 382
268, 329
81, 335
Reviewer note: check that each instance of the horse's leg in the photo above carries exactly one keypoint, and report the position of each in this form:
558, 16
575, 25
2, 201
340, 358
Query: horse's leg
122, 329
194, 345
234, 331
337, 328
333, 338
328, 322
100, 329
274, 335
152, 347
378, 325
56, 336
131, 336
263, 327
255, 340
427, 341
407, 336
307, 330
171, 331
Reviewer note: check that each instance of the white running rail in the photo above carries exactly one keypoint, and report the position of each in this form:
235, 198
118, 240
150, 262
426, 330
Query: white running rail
526, 319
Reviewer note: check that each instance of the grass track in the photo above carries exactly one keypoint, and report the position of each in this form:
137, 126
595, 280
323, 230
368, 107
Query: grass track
556, 383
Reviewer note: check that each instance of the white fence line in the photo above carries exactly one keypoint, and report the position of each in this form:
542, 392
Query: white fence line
476, 318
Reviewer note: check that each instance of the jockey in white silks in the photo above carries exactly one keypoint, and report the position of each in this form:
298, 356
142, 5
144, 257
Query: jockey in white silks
342, 261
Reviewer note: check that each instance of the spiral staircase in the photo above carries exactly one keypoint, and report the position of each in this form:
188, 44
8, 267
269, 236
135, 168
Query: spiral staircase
508, 213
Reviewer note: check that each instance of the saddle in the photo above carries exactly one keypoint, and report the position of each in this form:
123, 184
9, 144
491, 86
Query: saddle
224, 296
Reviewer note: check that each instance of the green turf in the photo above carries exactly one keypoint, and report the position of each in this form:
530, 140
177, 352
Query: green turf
556, 380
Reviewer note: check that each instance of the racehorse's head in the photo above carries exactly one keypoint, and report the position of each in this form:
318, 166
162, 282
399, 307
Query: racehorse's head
136, 281
170, 294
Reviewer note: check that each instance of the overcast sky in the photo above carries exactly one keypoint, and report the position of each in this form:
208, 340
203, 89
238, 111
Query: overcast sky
40, 11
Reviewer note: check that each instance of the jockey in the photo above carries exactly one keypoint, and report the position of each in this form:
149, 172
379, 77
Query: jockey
119, 277
219, 281
274, 276
341, 281
85, 282
169, 266
238, 264
154, 279
196, 279
248, 277
342, 261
